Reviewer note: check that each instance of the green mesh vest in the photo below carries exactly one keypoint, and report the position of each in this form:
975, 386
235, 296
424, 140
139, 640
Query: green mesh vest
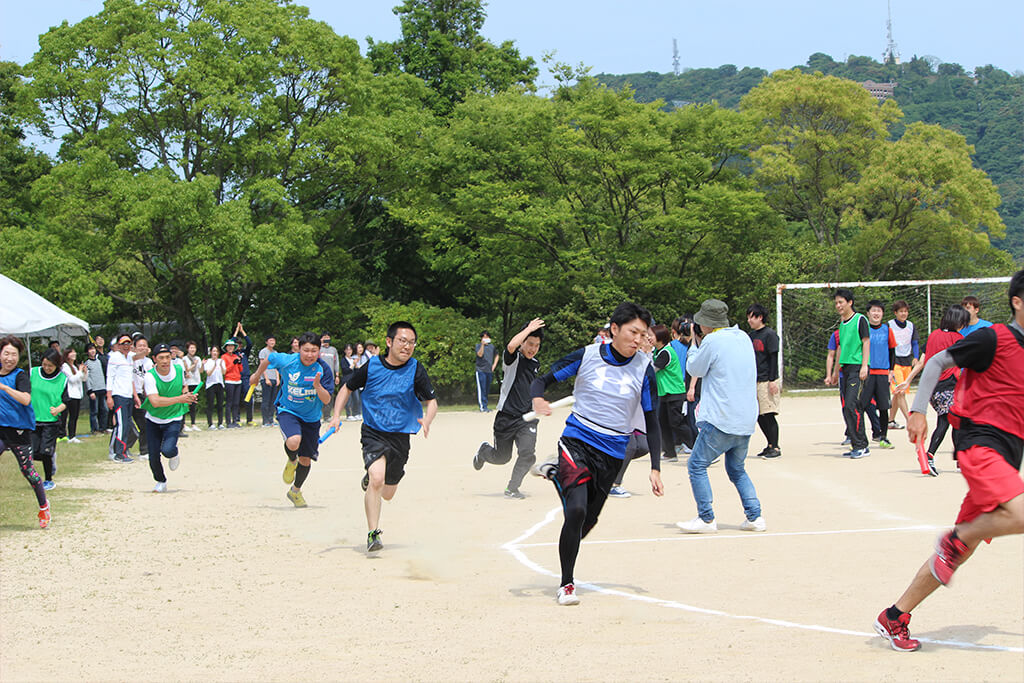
167, 390
46, 394
851, 348
670, 378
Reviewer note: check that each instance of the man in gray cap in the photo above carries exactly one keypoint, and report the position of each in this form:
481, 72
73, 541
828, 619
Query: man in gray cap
726, 414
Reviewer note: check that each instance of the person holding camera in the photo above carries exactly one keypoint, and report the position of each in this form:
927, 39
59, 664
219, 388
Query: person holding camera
486, 361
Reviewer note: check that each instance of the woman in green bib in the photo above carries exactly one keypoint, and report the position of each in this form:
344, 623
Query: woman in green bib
167, 401
49, 393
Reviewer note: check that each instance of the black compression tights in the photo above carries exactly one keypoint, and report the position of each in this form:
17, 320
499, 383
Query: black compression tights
576, 526
770, 426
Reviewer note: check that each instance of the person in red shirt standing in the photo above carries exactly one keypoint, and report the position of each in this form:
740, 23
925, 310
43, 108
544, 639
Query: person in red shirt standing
988, 413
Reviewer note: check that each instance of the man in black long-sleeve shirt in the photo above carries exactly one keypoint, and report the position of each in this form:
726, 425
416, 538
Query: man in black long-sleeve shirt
766, 355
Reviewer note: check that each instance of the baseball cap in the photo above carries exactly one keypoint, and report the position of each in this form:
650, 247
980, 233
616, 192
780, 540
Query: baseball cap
161, 348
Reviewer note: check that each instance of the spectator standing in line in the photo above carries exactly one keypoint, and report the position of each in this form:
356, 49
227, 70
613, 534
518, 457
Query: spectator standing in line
76, 374
329, 355
854, 353
193, 378
214, 369
244, 354
271, 382
973, 306
232, 383
294, 345
486, 361
95, 387
907, 352
348, 363
766, 355
104, 355
120, 399
18, 420
671, 382
140, 366
881, 363
724, 358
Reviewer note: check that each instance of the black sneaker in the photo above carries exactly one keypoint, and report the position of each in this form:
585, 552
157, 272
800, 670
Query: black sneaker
932, 470
514, 493
373, 543
365, 483
478, 459
764, 452
669, 458
772, 453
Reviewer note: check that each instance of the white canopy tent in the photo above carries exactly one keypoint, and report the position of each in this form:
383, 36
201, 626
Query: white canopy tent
25, 313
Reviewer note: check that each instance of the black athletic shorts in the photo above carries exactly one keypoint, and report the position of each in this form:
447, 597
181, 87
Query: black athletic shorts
44, 440
580, 464
392, 446
15, 437
290, 425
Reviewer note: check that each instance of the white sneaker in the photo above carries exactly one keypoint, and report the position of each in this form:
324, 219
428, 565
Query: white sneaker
161, 487
74, 439
172, 464
567, 595
756, 525
698, 526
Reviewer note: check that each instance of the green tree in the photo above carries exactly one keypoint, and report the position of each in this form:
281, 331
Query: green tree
209, 146
921, 207
441, 44
817, 134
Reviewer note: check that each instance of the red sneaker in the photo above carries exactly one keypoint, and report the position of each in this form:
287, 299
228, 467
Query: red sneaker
897, 632
44, 516
949, 553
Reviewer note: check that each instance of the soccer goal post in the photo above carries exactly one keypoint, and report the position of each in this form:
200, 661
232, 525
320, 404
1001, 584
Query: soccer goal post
805, 314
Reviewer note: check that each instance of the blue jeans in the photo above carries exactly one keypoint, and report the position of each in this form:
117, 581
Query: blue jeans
712, 442
163, 440
483, 385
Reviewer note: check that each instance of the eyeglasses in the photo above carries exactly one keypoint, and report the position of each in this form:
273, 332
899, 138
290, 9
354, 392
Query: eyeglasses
400, 341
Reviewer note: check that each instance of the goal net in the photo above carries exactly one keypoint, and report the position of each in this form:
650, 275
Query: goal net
806, 315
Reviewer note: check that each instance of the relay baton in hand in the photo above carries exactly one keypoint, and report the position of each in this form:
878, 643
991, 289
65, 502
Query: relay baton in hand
567, 401
326, 435
248, 394
922, 457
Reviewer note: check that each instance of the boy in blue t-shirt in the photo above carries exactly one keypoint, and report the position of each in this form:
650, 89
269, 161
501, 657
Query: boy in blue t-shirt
395, 387
305, 390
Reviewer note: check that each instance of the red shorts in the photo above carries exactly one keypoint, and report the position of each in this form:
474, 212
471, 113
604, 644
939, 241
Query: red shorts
991, 481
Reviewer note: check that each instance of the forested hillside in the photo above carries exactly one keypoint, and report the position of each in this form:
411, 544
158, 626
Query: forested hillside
986, 107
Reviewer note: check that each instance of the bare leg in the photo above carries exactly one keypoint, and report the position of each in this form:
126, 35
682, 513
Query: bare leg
375, 491
1005, 520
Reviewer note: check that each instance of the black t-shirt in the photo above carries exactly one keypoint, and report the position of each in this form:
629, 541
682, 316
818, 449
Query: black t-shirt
520, 372
421, 382
766, 353
976, 352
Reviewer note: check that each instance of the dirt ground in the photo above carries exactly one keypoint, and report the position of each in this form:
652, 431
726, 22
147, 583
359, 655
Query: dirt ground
222, 579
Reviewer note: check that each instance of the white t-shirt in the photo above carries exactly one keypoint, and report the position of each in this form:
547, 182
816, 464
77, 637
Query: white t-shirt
214, 369
194, 377
149, 384
119, 375
139, 369
270, 374
75, 378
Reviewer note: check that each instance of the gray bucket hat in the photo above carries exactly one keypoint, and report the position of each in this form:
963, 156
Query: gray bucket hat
712, 313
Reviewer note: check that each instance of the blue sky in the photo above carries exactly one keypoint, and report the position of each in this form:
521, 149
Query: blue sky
617, 36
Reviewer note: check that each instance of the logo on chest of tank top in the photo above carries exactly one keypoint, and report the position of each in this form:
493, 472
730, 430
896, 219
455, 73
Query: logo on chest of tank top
624, 382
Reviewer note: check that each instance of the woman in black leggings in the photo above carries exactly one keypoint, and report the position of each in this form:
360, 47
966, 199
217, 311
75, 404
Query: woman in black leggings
214, 368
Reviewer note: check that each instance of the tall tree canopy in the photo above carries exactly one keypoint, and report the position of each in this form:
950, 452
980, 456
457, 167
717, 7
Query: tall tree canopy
441, 44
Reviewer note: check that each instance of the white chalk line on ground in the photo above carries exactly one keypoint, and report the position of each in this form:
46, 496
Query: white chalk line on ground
515, 548
744, 535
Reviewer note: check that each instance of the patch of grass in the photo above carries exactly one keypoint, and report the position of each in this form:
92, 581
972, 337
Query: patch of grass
18, 512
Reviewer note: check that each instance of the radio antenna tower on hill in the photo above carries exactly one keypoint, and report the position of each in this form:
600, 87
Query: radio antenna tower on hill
675, 57
892, 53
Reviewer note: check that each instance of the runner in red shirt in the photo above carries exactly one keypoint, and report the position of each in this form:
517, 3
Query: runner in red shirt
988, 413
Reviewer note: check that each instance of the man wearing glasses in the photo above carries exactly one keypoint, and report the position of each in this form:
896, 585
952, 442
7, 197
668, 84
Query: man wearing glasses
394, 388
